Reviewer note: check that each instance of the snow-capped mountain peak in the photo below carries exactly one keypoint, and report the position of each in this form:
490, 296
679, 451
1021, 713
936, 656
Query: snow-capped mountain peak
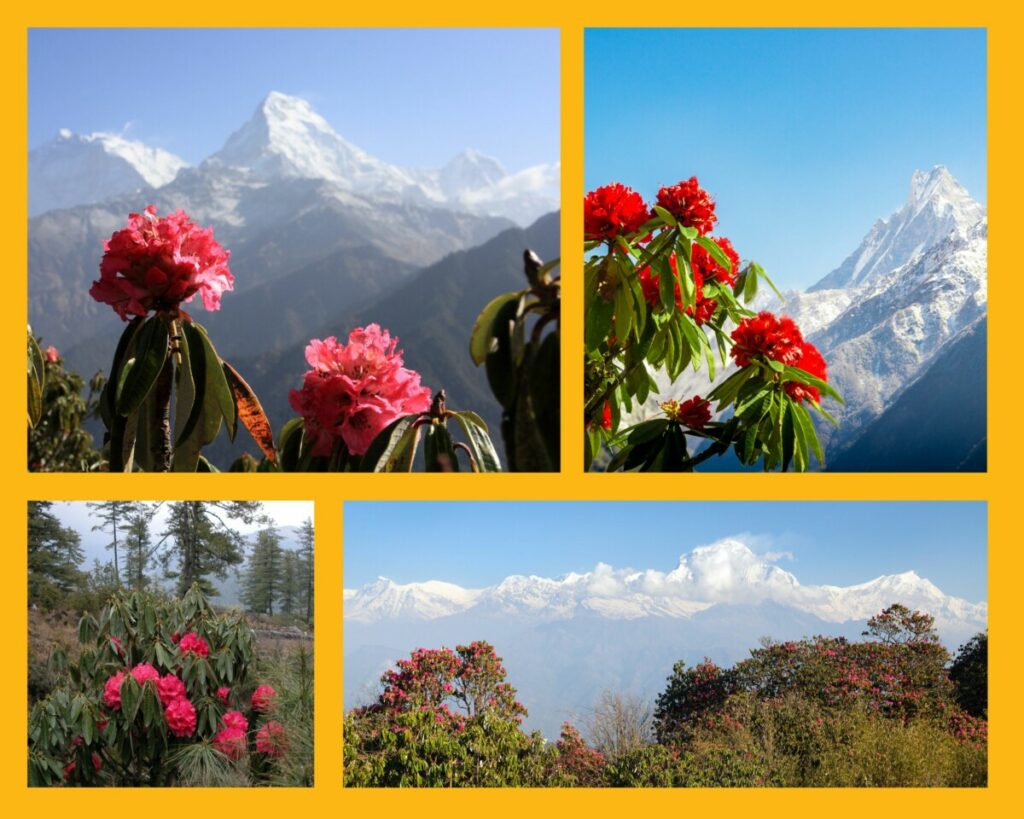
75, 168
937, 205
469, 171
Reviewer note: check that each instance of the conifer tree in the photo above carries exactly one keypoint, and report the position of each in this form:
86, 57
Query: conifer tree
54, 556
305, 555
290, 588
113, 517
261, 584
203, 542
138, 548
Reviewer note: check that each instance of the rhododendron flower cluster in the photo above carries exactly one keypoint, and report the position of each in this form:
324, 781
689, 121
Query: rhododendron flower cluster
613, 210
779, 339
271, 739
705, 266
170, 688
144, 672
694, 413
263, 699
223, 693
235, 719
112, 691
690, 204
650, 283
192, 643
230, 742
181, 717
354, 390
156, 263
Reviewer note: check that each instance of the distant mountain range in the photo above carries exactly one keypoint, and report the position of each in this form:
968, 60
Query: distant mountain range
886, 320
323, 236
565, 640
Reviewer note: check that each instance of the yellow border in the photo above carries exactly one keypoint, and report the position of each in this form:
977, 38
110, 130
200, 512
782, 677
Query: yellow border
327, 796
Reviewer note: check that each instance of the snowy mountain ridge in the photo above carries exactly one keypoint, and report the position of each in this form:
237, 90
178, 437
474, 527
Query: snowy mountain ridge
727, 572
287, 139
76, 168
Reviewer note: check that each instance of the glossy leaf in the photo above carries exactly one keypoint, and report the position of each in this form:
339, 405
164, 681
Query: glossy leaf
151, 350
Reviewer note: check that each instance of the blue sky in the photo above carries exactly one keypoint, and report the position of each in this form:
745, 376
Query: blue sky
410, 97
478, 543
805, 136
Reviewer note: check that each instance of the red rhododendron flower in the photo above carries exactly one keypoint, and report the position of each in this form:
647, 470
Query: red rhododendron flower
230, 742
271, 739
355, 390
223, 693
156, 263
263, 699
812, 362
693, 413
175, 637
112, 691
170, 688
194, 644
613, 210
181, 717
650, 283
606, 416
144, 672
235, 719
709, 269
690, 204
97, 762
765, 335
52, 355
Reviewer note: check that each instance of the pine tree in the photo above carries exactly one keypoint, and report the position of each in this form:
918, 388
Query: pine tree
305, 555
203, 542
113, 516
54, 556
138, 548
261, 583
290, 588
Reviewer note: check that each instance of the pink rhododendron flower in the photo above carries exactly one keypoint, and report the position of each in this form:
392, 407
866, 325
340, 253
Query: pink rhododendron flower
156, 263
230, 742
144, 672
223, 693
271, 739
235, 719
112, 691
263, 699
181, 717
194, 644
52, 354
170, 688
355, 390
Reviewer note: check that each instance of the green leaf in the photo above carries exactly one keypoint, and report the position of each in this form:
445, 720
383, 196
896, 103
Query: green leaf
217, 386
545, 385
666, 217
598, 323
645, 431
150, 355
726, 392
194, 358
438, 449
481, 339
711, 246
501, 371
394, 447
808, 433
624, 319
479, 441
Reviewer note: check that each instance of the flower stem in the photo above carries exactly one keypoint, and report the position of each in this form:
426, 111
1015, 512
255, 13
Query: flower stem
161, 445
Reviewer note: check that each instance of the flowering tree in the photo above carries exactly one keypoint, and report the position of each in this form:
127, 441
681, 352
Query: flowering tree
517, 339
149, 269
660, 292
362, 410
443, 718
160, 694
57, 411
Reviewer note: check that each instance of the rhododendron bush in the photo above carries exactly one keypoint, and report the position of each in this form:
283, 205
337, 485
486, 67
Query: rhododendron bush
823, 711
661, 293
161, 692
